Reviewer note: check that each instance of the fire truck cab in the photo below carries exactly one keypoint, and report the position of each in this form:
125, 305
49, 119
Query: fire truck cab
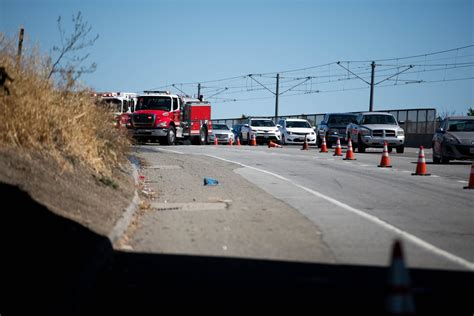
167, 118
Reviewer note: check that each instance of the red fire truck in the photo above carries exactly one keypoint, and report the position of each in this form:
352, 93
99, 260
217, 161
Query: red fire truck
167, 118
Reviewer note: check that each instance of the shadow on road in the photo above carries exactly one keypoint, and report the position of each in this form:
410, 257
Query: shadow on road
54, 266
454, 163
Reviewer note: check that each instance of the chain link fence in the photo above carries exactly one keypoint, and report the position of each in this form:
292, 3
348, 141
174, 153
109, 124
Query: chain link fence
419, 124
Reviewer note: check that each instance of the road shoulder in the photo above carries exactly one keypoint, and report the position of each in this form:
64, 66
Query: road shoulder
232, 219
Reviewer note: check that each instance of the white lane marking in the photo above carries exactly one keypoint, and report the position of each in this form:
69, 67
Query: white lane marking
315, 157
405, 235
171, 151
462, 181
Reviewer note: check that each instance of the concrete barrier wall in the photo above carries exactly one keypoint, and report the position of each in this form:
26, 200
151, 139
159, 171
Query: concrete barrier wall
417, 140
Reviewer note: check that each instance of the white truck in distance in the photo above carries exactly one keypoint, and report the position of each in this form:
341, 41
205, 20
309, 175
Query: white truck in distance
122, 103
373, 129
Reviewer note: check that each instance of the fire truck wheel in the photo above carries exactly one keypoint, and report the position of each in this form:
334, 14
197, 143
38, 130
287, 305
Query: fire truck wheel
203, 136
171, 136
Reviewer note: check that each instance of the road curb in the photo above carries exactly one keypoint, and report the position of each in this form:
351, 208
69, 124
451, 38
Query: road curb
124, 221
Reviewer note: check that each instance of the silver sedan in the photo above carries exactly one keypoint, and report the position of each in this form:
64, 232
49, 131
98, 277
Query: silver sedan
454, 139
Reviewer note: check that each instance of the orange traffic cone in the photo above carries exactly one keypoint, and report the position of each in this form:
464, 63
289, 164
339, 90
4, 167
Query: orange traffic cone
350, 152
253, 142
231, 142
273, 145
324, 147
338, 151
238, 141
215, 141
305, 144
385, 161
471, 178
421, 165
399, 300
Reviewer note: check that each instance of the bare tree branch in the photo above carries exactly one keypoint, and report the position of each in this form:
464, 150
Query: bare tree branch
77, 41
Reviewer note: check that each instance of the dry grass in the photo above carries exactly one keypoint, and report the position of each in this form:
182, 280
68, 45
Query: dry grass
64, 124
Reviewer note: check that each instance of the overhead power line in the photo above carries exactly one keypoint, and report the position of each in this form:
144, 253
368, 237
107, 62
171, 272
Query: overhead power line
440, 66
415, 56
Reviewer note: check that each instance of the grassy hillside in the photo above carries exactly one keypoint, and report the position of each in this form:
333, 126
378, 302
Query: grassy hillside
65, 124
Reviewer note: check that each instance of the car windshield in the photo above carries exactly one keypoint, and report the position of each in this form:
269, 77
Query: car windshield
262, 123
220, 126
461, 126
379, 119
296, 124
154, 103
341, 119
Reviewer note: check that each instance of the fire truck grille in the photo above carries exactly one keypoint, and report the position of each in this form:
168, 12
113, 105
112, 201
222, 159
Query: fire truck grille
143, 120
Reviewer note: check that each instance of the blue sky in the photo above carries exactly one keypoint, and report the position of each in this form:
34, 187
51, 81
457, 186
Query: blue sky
152, 44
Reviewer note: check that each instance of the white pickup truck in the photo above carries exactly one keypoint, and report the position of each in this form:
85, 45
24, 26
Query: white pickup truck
372, 129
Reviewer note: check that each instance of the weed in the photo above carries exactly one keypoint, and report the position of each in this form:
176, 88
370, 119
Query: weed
66, 124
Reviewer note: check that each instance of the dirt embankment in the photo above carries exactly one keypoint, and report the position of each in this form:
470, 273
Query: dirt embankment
76, 193
58, 144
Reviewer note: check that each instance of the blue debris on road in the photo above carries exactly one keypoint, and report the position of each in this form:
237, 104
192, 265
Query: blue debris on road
210, 181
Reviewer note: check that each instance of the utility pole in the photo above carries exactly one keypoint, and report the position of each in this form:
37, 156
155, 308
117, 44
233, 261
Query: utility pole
276, 97
277, 92
199, 90
20, 46
372, 82
371, 104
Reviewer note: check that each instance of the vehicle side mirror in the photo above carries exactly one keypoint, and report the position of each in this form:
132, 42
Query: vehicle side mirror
440, 130
314, 127
278, 125
401, 122
246, 125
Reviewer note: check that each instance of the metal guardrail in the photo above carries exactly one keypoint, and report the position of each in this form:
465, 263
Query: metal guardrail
419, 124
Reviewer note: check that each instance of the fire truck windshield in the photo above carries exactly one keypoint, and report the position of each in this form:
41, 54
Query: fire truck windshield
154, 103
114, 104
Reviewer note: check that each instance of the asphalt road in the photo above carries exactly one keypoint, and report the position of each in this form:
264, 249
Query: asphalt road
357, 208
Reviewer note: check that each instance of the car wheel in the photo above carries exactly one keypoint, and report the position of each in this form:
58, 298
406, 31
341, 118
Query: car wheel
360, 146
444, 159
436, 159
400, 149
441, 156
328, 143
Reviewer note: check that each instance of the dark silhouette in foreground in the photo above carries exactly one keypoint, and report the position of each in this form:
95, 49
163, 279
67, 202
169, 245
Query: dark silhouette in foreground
54, 266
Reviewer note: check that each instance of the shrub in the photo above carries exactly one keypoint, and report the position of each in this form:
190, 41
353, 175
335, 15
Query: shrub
65, 123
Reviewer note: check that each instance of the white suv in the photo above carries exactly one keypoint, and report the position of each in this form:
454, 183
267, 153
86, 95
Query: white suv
263, 129
294, 131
